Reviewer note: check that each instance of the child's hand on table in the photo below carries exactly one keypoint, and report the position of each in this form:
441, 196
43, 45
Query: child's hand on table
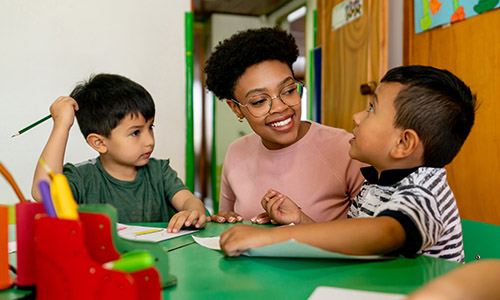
186, 218
240, 238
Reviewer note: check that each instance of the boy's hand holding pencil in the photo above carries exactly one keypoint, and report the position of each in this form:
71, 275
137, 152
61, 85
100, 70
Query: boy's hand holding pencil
62, 111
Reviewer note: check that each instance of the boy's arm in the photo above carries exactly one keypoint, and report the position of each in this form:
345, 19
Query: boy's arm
63, 115
191, 211
361, 236
477, 280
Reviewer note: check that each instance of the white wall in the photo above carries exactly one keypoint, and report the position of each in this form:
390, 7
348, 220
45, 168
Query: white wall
46, 47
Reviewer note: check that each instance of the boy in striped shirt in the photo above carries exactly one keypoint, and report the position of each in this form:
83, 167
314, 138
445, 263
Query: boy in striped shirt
415, 124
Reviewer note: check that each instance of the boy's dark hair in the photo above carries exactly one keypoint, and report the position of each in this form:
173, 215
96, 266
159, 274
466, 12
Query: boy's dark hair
438, 106
105, 99
233, 56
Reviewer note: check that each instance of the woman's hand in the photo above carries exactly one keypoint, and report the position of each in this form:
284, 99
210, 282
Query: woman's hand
263, 218
224, 216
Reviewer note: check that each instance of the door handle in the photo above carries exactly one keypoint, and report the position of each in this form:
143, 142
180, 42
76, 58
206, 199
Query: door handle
368, 88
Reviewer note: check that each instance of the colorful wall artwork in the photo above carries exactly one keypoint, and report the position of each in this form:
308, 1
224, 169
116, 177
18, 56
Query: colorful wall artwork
432, 13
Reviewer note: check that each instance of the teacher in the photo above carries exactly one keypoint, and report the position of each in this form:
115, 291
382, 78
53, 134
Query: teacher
307, 161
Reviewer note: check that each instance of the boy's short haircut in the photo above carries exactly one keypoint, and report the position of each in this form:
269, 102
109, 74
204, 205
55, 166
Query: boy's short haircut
105, 99
233, 56
438, 106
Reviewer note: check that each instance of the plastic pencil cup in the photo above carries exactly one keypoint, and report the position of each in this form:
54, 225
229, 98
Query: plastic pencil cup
25, 234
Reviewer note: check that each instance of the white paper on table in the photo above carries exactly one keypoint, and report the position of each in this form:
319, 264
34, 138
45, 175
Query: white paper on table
208, 242
326, 292
12, 246
290, 248
132, 232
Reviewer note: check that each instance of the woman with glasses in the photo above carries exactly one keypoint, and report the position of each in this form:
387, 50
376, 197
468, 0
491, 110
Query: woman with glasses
309, 162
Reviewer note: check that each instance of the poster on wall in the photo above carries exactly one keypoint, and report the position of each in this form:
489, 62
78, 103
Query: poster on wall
345, 12
432, 13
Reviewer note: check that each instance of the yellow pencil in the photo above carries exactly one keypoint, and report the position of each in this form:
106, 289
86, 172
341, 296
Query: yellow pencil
148, 231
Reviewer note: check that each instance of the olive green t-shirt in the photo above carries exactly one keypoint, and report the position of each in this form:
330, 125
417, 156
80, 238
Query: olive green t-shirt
142, 200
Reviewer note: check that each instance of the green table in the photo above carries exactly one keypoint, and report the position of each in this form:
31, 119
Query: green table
207, 274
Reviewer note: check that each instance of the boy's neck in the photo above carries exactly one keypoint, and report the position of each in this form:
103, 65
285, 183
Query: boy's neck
398, 166
120, 172
413, 160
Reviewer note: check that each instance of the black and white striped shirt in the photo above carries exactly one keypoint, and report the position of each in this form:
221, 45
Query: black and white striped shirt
421, 200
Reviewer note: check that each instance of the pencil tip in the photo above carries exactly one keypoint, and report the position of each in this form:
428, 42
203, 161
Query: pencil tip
15, 134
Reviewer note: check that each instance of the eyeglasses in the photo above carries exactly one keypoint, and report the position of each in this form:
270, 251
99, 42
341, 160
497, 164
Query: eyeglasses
260, 105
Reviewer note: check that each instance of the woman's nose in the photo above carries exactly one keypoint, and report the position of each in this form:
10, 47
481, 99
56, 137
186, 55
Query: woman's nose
277, 104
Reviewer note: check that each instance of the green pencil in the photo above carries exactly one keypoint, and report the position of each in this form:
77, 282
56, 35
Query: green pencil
31, 126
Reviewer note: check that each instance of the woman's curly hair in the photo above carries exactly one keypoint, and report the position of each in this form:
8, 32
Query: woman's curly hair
233, 56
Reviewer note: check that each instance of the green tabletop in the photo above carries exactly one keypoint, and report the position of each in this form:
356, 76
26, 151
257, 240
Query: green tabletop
204, 273
481, 240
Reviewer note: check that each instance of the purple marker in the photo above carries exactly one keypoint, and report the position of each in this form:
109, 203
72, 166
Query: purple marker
44, 188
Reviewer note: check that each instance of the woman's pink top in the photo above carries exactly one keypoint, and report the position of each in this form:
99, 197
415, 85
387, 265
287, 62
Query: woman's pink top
316, 173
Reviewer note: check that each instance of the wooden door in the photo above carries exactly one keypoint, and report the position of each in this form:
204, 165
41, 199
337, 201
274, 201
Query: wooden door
352, 55
471, 50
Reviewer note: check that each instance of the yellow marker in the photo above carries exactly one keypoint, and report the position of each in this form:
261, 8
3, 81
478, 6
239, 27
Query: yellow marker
148, 231
47, 168
62, 197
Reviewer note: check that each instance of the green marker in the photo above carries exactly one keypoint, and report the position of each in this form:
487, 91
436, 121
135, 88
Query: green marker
131, 261
31, 126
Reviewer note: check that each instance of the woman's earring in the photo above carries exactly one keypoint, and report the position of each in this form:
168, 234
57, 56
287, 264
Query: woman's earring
240, 120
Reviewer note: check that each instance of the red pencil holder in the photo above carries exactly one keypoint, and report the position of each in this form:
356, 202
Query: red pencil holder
65, 270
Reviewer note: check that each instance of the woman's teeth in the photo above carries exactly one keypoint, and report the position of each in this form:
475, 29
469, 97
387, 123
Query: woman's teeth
281, 123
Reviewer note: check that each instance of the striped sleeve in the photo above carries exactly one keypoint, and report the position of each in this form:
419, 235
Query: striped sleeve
429, 203
420, 206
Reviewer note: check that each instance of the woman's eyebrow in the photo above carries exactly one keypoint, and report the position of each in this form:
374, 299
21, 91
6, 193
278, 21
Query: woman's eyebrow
284, 80
255, 90
265, 90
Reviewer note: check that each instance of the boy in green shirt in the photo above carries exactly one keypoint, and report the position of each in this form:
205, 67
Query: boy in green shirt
116, 116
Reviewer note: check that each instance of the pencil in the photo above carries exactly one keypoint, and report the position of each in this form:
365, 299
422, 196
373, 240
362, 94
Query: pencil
148, 231
31, 126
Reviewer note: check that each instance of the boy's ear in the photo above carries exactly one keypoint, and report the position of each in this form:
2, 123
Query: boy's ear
409, 142
96, 141
235, 108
